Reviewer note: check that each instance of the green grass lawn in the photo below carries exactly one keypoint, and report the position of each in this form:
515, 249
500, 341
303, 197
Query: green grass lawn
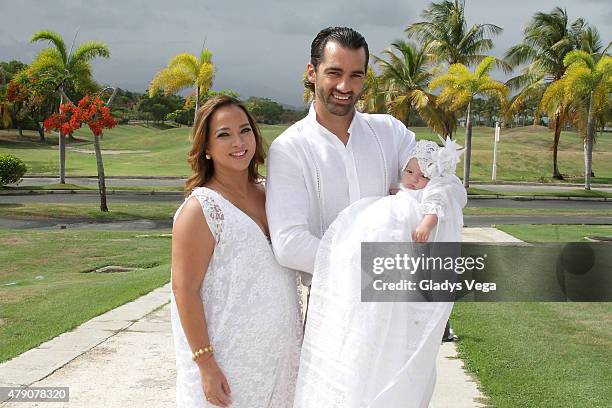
46, 287
491, 211
524, 153
539, 354
555, 233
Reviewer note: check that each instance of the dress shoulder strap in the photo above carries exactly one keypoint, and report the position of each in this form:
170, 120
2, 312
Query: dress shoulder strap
212, 210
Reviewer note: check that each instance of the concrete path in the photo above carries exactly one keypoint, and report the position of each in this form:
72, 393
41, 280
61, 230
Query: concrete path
125, 358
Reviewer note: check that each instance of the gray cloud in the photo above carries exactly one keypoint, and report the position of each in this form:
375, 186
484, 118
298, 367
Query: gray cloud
259, 48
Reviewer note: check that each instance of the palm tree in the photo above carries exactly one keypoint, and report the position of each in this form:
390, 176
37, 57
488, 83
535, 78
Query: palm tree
405, 76
75, 67
548, 37
373, 98
585, 88
459, 87
447, 37
185, 71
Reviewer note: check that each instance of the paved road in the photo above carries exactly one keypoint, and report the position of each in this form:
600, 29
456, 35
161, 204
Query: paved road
180, 181
178, 198
539, 204
177, 182
470, 220
166, 225
83, 198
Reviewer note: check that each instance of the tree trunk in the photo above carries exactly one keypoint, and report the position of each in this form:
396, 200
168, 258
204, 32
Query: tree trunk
197, 104
41, 132
555, 148
20, 131
588, 147
62, 157
62, 148
468, 148
101, 179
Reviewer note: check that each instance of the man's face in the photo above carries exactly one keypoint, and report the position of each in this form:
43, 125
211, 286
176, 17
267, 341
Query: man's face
339, 78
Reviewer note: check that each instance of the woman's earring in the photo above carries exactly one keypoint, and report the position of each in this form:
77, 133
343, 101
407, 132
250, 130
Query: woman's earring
208, 156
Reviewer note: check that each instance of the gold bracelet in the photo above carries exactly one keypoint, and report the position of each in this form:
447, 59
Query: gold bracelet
200, 352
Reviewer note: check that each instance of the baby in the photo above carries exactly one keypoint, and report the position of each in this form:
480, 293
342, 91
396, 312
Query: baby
428, 161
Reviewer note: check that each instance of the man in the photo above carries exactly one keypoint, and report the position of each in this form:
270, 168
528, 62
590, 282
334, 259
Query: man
334, 156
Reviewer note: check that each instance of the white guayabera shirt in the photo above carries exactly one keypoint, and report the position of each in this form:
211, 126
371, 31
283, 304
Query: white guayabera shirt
312, 176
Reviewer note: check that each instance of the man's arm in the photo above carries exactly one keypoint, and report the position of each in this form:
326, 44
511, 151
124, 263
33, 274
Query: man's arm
287, 205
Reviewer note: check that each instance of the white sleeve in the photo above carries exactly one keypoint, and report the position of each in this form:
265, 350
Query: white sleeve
433, 201
287, 204
441, 193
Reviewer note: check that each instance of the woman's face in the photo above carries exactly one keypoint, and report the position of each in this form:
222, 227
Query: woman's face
231, 141
412, 177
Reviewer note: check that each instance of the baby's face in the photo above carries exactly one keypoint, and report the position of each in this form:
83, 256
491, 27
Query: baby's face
412, 177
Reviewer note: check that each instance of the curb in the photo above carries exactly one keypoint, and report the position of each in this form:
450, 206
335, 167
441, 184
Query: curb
535, 197
531, 183
90, 192
181, 178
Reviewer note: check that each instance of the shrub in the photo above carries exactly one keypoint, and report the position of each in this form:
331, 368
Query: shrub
12, 169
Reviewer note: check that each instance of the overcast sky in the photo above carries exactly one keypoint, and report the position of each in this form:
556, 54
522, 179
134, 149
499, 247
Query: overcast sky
259, 47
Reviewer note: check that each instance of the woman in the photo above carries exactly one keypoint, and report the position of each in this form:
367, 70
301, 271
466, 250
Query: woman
235, 311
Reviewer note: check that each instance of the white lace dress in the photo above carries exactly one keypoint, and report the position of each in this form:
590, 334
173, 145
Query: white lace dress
252, 311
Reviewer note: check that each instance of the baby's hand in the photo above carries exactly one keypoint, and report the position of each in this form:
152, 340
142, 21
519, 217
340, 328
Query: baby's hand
421, 234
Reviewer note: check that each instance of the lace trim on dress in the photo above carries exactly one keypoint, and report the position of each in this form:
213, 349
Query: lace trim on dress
212, 211
432, 208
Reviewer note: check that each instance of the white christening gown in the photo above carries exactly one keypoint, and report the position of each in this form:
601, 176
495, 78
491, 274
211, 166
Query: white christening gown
374, 354
252, 311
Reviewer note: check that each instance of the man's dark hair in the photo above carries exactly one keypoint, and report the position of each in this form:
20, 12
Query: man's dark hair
344, 36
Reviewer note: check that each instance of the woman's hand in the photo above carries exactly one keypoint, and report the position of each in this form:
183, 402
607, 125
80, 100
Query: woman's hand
214, 383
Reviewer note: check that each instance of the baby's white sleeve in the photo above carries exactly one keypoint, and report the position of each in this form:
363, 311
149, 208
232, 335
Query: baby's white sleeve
439, 192
433, 203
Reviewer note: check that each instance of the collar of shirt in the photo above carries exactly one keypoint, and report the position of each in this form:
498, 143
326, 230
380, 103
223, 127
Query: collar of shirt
346, 153
312, 119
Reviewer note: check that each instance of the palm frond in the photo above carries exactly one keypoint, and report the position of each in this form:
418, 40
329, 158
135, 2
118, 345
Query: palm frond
90, 50
206, 76
187, 62
53, 38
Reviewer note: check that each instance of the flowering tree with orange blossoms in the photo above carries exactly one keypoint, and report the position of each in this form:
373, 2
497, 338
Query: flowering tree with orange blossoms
93, 112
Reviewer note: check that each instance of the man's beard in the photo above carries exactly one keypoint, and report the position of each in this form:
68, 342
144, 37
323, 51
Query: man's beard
335, 108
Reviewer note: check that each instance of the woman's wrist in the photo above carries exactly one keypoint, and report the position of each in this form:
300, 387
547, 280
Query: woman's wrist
206, 362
